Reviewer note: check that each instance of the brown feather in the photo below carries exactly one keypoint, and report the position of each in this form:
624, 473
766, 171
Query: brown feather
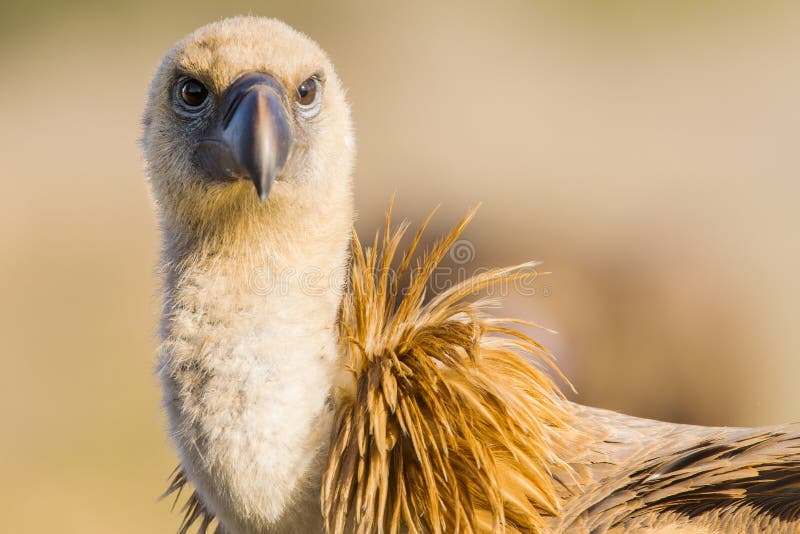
443, 426
636, 474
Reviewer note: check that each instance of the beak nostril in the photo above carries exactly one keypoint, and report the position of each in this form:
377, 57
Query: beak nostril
230, 108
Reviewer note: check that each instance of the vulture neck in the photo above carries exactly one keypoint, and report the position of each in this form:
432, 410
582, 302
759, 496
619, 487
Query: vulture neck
249, 342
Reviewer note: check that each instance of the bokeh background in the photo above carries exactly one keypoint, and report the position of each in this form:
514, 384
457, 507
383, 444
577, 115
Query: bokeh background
647, 152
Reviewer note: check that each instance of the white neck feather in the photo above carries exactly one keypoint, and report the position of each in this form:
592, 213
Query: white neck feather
249, 344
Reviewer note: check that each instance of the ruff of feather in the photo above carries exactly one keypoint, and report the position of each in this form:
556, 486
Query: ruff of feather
441, 424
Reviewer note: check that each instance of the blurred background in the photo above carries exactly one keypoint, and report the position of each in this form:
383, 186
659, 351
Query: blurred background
646, 152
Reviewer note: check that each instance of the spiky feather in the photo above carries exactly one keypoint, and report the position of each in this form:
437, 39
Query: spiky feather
442, 426
193, 509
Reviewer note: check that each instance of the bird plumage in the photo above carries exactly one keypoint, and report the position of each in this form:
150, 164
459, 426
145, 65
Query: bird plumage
633, 474
349, 400
441, 425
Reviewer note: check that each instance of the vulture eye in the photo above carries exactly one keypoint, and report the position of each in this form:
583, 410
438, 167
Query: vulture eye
193, 93
308, 94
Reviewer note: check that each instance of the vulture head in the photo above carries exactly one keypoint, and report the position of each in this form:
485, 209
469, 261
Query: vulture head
246, 116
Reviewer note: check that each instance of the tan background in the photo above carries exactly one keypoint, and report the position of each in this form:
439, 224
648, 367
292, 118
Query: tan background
649, 155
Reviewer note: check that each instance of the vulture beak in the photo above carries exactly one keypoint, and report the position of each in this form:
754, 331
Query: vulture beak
252, 135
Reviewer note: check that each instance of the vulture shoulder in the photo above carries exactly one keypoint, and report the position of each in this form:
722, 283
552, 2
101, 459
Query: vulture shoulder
639, 475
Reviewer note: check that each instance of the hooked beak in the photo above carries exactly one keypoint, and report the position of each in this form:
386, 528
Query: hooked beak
252, 134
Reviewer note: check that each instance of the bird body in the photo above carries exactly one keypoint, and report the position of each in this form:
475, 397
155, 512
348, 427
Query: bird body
310, 386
